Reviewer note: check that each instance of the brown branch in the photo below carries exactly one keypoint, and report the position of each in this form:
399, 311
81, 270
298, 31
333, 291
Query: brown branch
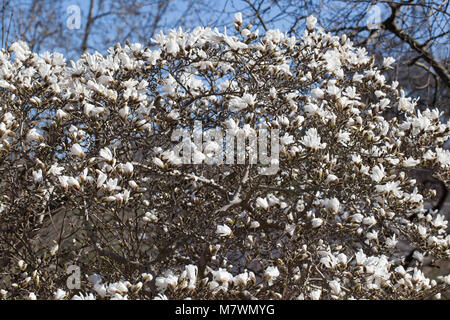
84, 44
390, 25
257, 14
106, 253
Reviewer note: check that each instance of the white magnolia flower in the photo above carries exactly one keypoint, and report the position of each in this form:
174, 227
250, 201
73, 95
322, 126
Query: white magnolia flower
370, 221
429, 155
312, 140
273, 92
84, 177
440, 221
443, 156
77, 151
357, 217
390, 187
384, 103
316, 222
88, 108
379, 93
317, 93
162, 283
158, 162
287, 139
106, 154
95, 278
238, 18
364, 169
54, 249
174, 115
446, 279
249, 99
262, 203
334, 66
122, 197
87, 296
311, 23
254, 225
118, 287
410, 162
241, 279
272, 200
356, 158
343, 138
400, 270
37, 176
61, 114
378, 173
64, 181
342, 258
393, 161
312, 109
172, 46
335, 287
111, 184
271, 274
128, 168
150, 216
315, 294
101, 179
100, 289
60, 294
391, 242
360, 257
387, 62
72, 182
237, 104
124, 112
191, 274
332, 205
22, 265
34, 136
373, 235
222, 276
223, 230
332, 178
147, 277
405, 103
160, 296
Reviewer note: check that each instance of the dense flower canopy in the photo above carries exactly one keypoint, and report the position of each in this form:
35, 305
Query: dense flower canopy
90, 176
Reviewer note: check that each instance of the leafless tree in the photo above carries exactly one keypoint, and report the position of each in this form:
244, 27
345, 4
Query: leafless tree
91, 175
414, 32
42, 23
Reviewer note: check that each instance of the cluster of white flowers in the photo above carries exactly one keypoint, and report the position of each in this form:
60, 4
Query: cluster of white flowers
95, 139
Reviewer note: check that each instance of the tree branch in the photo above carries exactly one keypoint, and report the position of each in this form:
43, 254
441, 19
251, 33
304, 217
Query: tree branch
84, 44
390, 25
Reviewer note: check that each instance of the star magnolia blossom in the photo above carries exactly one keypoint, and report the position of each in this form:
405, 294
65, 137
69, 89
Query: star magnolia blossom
105, 165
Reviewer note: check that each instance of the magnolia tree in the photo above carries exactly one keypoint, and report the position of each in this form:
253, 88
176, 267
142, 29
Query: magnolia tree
129, 175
